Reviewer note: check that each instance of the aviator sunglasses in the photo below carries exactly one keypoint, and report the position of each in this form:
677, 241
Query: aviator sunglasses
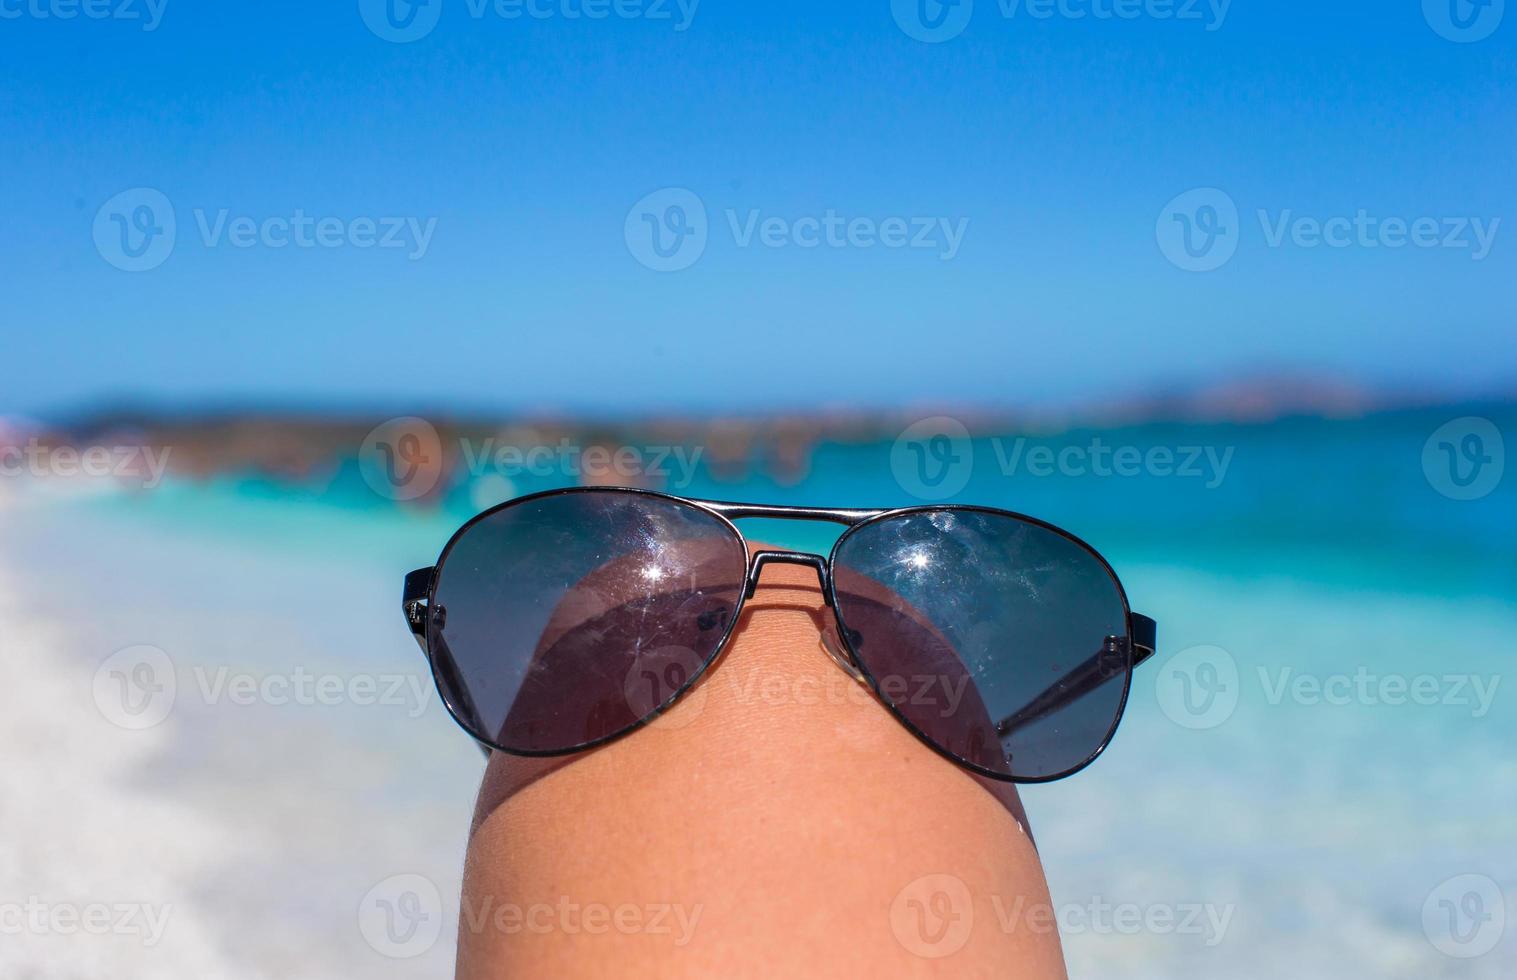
559, 621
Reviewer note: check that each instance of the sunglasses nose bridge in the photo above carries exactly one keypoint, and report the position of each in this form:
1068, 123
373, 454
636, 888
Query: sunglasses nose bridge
762, 558
831, 645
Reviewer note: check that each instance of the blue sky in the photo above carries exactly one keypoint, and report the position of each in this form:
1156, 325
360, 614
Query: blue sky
1001, 201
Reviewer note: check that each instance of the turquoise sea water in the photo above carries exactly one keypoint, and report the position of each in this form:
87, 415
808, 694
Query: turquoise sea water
1274, 769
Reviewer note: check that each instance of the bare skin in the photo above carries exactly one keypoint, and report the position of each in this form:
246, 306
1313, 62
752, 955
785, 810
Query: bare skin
777, 821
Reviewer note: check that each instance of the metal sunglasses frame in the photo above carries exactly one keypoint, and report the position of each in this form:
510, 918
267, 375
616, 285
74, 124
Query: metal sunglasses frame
418, 598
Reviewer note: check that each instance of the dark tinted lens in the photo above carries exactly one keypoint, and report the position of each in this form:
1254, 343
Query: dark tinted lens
569, 618
1001, 641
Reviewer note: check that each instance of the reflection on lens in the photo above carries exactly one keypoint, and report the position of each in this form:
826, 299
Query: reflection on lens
565, 619
1003, 642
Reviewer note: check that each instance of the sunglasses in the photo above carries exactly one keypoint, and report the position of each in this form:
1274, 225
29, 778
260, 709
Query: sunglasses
559, 621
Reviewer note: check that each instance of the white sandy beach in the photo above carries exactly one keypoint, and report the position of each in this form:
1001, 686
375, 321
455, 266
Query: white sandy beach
101, 875
187, 849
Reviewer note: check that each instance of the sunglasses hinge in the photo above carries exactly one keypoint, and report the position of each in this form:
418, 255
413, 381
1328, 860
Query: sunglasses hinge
413, 602
415, 609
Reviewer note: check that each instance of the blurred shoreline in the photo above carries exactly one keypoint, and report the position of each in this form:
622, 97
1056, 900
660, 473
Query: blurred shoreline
1368, 496
308, 446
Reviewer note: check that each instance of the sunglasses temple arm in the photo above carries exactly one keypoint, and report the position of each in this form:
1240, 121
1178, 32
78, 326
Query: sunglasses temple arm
1086, 677
413, 604
1145, 637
